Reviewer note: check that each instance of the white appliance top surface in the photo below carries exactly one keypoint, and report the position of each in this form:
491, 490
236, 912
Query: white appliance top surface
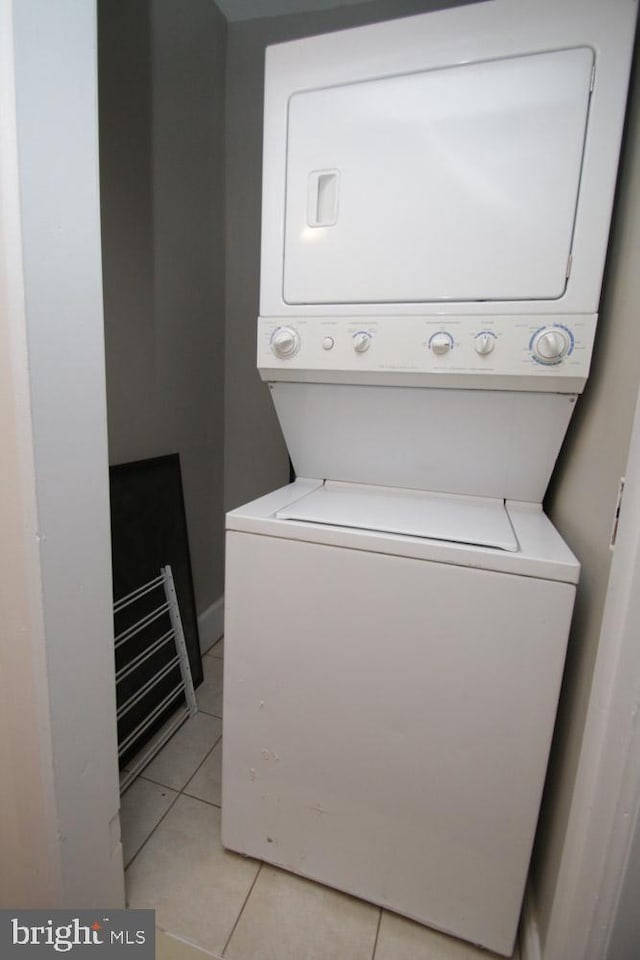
460, 519
541, 550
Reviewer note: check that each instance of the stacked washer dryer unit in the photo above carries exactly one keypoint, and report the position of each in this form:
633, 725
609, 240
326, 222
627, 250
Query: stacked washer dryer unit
437, 197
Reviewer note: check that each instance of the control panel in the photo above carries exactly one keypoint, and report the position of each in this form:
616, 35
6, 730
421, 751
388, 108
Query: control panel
514, 347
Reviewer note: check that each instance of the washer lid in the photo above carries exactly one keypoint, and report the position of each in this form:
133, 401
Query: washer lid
482, 521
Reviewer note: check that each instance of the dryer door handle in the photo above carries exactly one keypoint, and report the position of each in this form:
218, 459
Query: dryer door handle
322, 198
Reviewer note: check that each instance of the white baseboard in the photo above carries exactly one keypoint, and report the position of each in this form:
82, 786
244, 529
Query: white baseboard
529, 937
211, 624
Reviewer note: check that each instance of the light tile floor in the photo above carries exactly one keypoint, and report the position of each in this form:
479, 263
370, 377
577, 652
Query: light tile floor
211, 903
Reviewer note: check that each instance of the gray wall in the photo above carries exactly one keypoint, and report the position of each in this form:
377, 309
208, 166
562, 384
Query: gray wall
255, 457
582, 499
162, 68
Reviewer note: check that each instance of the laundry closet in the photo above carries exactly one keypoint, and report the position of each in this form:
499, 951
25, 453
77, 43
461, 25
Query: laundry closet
185, 315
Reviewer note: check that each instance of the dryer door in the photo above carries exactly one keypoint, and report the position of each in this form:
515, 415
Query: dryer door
450, 184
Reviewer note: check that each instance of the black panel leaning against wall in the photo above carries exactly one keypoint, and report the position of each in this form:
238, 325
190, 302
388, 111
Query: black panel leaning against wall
148, 532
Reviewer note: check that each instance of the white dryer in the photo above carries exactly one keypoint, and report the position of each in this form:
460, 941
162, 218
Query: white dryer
436, 202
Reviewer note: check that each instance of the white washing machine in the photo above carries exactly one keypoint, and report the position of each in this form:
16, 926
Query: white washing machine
390, 698
436, 202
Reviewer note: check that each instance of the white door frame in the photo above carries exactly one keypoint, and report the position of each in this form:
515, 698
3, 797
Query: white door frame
607, 788
55, 443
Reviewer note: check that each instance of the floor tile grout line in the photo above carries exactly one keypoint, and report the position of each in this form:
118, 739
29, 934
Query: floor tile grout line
202, 762
158, 783
188, 943
212, 655
178, 794
242, 908
375, 942
216, 716
210, 803
167, 786
151, 833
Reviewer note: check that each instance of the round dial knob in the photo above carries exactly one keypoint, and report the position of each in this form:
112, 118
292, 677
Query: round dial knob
484, 343
441, 343
550, 345
361, 341
285, 342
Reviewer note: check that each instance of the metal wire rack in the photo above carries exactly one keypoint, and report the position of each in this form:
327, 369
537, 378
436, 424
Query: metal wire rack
151, 655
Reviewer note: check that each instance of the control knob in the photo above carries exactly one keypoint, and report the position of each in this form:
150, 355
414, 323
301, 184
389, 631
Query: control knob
285, 342
361, 341
550, 345
441, 343
484, 343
